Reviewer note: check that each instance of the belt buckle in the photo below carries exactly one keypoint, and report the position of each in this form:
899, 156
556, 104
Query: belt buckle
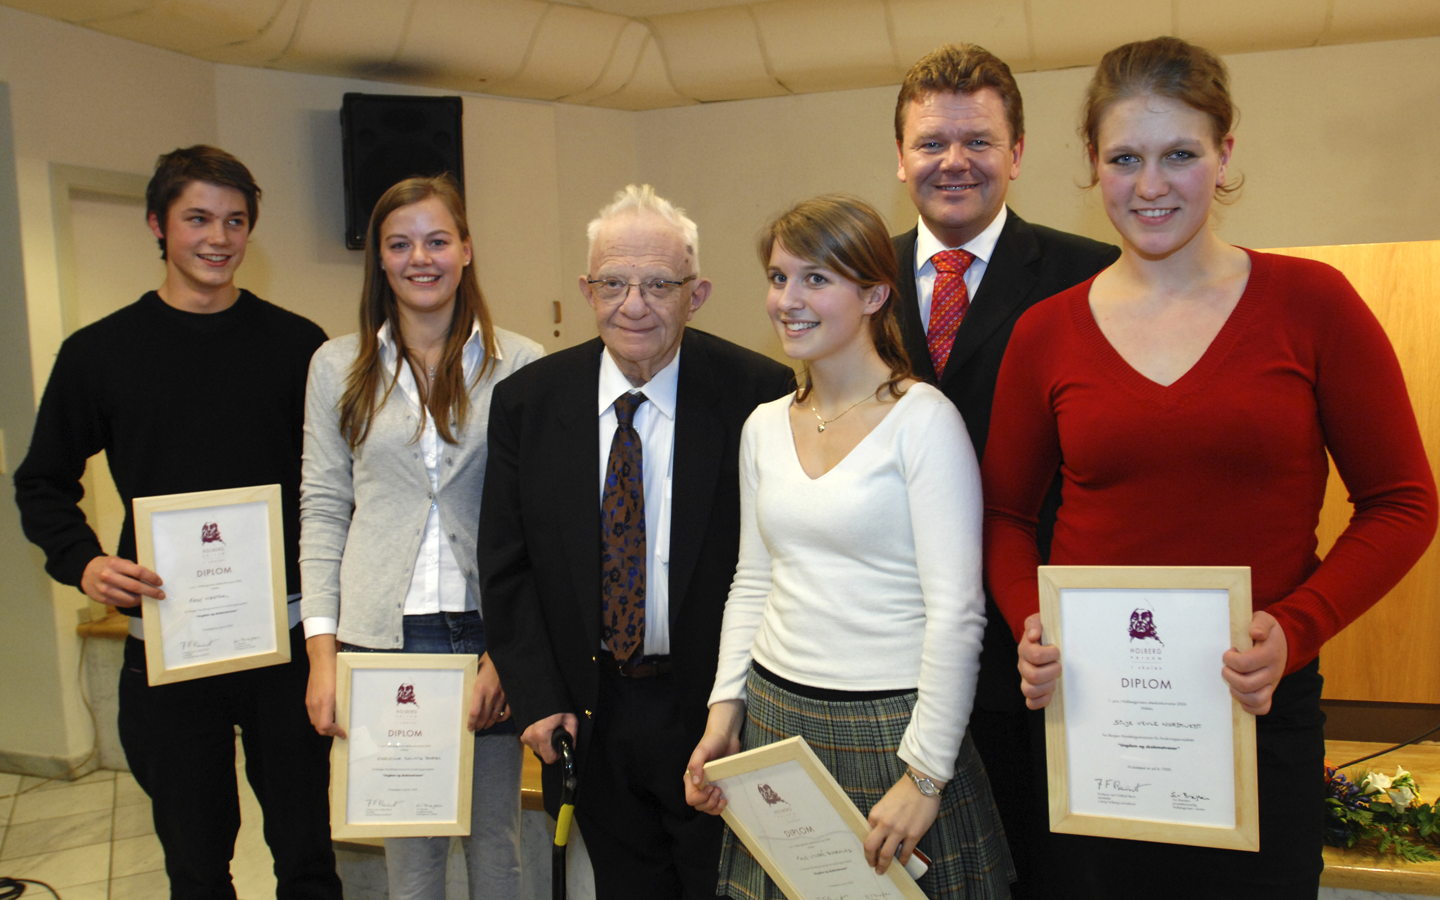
634, 667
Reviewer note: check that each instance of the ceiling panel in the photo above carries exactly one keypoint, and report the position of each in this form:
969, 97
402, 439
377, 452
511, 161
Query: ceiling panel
474, 44
619, 68
1354, 21
1244, 26
673, 52
828, 45
190, 26
997, 25
267, 47
80, 10
647, 8
1067, 33
715, 55
567, 54
648, 86
346, 37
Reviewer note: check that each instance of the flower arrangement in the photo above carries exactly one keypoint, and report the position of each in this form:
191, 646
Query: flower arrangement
1382, 809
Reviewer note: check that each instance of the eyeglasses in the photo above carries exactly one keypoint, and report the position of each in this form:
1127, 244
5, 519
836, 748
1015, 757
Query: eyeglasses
655, 290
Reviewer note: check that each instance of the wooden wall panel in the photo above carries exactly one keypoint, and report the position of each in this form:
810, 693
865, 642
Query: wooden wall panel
1392, 653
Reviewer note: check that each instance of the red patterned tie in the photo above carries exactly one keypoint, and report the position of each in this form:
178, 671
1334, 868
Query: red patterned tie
622, 536
948, 303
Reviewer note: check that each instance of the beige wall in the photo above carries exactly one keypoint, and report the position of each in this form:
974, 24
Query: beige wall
1338, 145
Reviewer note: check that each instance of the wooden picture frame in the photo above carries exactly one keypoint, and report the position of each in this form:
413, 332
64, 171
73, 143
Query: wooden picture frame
1178, 589
795, 752
358, 794
211, 624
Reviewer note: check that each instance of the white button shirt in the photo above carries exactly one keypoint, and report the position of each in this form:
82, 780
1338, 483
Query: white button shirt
436, 582
927, 245
655, 423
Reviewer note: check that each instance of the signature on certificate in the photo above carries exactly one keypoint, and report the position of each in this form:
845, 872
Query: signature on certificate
1113, 784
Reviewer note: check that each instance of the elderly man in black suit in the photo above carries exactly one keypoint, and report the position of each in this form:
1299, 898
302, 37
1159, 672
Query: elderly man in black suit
608, 539
968, 270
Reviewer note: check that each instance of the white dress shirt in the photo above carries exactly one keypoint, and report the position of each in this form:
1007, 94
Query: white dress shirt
927, 245
655, 423
436, 582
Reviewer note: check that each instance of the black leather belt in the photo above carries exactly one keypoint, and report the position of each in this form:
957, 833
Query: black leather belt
635, 666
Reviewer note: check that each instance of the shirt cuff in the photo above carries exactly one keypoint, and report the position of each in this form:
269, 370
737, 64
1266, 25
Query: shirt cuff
315, 625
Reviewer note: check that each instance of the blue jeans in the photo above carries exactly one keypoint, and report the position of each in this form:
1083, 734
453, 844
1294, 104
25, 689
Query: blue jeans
415, 867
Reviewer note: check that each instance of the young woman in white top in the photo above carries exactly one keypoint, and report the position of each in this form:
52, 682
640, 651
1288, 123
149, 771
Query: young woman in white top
395, 425
856, 612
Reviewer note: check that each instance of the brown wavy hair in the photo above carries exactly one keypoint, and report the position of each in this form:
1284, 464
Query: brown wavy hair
447, 398
847, 236
174, 171
961, 69
1166, 67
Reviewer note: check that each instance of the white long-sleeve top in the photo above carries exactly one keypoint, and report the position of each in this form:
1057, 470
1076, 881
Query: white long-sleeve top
869, 577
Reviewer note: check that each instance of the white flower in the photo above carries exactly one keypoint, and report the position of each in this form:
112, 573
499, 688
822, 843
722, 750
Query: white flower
1402, 797
1400, 790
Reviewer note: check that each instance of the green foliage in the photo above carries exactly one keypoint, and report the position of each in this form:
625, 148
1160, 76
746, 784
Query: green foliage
1355, 816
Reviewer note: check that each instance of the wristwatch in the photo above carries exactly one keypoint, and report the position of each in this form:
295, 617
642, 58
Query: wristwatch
926, 786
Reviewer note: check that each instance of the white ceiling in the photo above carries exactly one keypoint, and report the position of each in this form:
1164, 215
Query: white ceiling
645, 54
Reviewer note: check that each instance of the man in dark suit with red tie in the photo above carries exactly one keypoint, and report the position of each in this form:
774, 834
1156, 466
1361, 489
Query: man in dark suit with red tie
609, 533
968, 270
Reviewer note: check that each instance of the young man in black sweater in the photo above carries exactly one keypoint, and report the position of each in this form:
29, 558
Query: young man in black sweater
197, 386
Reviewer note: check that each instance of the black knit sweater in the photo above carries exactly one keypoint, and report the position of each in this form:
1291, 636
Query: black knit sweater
179, 402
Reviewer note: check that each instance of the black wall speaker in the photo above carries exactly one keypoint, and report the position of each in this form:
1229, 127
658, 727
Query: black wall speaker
390, 137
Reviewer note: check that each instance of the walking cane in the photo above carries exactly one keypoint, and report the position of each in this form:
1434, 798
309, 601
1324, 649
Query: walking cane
560, 742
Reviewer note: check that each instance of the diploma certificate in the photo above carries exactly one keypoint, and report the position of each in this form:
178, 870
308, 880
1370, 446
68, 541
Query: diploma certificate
802, 827
1143, 738
221, 557
406, 765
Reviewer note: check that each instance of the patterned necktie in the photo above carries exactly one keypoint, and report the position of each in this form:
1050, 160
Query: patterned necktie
622, 536
948, 303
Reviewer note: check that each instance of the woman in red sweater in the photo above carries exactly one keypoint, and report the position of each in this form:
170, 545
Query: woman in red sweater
1188, 396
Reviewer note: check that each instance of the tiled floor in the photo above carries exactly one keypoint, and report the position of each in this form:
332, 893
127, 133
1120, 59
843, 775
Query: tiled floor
93, 839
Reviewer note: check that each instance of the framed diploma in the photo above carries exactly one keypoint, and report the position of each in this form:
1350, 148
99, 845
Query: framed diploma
1143, 739
406, 765
221, 555
801, 826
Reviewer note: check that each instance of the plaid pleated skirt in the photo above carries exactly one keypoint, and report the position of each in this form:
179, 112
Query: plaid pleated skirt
857, 741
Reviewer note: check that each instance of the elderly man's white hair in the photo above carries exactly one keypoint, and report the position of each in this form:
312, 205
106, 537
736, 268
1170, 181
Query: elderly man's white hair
644, 199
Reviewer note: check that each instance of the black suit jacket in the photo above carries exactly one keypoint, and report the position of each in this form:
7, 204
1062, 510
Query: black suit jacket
539, 546
1030, 263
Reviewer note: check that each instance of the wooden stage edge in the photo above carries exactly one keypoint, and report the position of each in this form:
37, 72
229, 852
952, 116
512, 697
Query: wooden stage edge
1366, 870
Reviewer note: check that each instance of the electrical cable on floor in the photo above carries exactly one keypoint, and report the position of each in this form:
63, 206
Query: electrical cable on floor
14, 887
1416, 739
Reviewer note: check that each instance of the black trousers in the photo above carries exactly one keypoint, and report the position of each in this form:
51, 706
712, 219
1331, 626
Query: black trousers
179, 740
643, 840
1003, 740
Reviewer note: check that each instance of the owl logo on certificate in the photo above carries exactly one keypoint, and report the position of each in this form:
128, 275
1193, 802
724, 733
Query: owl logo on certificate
770, 795
1142, 627
406, 694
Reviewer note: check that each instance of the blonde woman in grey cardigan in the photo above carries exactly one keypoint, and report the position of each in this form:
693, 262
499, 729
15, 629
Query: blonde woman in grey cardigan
395, 420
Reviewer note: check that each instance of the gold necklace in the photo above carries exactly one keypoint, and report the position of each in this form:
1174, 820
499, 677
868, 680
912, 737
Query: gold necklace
823, 422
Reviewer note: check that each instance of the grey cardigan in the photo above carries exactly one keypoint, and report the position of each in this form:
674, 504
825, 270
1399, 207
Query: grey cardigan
361, 514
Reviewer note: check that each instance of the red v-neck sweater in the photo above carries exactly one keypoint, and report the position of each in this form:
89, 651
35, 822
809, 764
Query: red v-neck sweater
1225, 467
